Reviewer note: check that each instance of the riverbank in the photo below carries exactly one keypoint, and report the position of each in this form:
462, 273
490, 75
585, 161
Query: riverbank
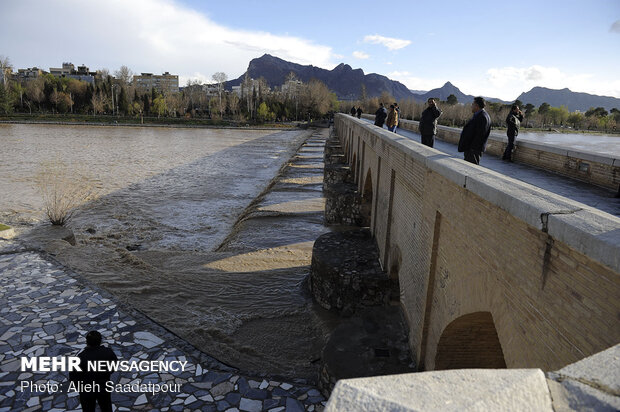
76, 120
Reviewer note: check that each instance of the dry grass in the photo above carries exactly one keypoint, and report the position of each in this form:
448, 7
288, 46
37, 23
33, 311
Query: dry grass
63, 189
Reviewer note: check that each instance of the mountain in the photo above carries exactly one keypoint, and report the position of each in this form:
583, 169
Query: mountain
572, 100
447, 89
343, 79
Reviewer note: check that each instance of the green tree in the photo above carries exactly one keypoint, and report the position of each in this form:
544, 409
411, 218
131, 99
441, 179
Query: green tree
598, 112
543, 111
575, 119
263, 113
159, 105
6, 106
452, 100
123, 103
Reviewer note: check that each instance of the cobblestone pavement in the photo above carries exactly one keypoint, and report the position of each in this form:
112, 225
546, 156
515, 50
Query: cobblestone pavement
45, 311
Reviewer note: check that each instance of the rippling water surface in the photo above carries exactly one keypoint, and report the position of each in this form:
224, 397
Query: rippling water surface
167, 197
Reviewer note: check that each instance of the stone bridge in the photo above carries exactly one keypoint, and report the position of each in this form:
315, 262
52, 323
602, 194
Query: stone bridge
493, 272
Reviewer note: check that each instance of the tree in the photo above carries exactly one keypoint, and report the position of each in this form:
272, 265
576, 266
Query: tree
5, 69
576, 119
6, 106
264, 113
124, 75
220, 78
598, 112
543, 110
452, 100
98, 102
159, 105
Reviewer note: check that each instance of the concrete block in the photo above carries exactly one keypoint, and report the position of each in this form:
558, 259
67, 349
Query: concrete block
451, 390
522, 200
572, 395
592, 232
455, 170
601, 370
542, 147
591, 157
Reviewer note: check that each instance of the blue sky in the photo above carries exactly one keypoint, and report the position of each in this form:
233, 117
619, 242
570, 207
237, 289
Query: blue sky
491, 48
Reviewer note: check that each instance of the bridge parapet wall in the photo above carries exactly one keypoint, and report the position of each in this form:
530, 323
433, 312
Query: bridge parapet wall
463, 239
594, 168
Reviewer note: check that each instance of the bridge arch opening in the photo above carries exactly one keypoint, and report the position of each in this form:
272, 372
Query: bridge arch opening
354, 167
470, 341
366, 206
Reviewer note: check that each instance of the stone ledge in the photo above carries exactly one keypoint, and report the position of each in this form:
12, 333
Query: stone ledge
452, 390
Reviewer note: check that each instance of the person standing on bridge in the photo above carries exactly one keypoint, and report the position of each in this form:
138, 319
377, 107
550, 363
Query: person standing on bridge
353, 111
473, 141
380, 115
513, 121
392, 119
359, 112
428, 123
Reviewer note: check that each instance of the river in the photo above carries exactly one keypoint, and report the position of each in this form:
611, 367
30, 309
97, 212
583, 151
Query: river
161, 233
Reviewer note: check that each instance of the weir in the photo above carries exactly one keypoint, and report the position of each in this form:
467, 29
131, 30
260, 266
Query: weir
493, 272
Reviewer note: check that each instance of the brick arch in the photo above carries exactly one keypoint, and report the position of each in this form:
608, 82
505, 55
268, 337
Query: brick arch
470, 341
366, 205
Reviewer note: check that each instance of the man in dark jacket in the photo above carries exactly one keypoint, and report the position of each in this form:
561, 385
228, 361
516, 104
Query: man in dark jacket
513, 121
359, 112
380, 115
473, 141
428, 123
353, 111
94, 380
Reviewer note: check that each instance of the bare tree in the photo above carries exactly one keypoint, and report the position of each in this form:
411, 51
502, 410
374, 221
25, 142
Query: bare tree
220, 78
5, 69
125, 75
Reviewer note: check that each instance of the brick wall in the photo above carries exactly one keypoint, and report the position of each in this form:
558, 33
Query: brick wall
469, 240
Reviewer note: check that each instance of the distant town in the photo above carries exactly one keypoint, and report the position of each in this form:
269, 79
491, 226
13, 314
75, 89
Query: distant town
70, 91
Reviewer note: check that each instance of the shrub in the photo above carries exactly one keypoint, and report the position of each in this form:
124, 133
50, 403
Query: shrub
62, 190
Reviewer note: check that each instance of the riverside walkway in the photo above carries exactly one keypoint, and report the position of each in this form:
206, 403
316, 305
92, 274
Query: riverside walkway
45, 310
593, 196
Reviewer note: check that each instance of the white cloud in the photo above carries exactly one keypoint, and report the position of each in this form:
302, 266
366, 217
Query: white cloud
389, 42
415, 83
145, 35
360, 55
509, 82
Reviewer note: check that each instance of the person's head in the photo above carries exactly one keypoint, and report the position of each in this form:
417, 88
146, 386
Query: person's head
395, 104
478, 104
431, 102
391, 106
515, 108
381, 104
94, 338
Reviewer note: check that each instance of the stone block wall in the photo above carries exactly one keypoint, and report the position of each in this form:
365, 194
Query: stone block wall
463, 240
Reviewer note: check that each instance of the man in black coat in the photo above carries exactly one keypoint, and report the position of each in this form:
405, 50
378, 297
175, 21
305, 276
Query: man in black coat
94, 352
513, 121
473, 141
428, 123
380, 115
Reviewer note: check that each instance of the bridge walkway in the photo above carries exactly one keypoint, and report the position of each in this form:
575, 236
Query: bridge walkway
590, 195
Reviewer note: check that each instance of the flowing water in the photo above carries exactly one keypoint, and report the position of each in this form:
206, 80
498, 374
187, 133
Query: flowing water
161, 233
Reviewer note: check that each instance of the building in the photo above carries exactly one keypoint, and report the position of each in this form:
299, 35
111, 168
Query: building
68, 70
28, 74
251, 85
165, 83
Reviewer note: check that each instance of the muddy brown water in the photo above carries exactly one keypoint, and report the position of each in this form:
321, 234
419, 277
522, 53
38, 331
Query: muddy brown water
171, 232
